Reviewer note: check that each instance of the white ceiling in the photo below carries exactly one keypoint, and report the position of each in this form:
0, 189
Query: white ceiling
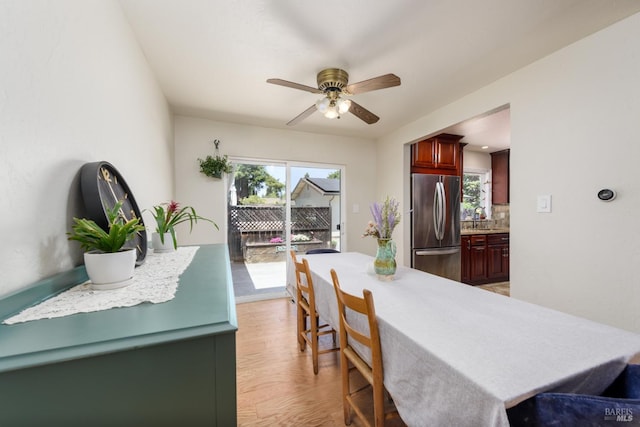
212, 58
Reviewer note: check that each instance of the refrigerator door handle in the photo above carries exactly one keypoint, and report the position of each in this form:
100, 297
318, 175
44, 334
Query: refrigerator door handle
439, 210
443, 215
447, 251
436, 211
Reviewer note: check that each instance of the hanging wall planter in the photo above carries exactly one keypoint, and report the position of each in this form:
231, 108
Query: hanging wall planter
215, 166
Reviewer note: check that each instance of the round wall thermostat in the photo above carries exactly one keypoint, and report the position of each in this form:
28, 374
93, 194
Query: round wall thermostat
606, 195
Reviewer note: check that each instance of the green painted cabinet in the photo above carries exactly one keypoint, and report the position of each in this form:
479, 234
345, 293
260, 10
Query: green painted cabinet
163, 364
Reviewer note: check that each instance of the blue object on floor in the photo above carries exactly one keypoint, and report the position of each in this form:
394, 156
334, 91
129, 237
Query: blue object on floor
619, 405
321, 251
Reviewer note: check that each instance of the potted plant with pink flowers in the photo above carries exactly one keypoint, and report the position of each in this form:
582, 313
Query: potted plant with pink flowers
167, 216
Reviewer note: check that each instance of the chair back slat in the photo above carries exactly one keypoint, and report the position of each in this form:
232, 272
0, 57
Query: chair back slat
352, 331
355, 304
304, 281
309, 328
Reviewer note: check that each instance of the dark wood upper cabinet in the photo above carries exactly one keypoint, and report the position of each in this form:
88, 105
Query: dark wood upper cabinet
441, 154
500, 177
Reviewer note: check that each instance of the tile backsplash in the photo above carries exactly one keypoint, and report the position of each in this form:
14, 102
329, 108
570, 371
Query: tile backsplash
500, 214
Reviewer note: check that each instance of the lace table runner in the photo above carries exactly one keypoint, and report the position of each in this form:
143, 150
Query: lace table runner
155, 281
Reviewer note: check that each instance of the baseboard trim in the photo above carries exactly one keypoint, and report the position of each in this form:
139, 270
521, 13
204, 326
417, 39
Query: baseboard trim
263, 296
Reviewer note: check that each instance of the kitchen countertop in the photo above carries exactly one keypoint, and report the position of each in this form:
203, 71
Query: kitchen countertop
474, 231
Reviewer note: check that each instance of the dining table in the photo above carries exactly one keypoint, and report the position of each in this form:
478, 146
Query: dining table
457, 355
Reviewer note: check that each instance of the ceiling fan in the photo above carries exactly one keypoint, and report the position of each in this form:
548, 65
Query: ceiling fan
333, 83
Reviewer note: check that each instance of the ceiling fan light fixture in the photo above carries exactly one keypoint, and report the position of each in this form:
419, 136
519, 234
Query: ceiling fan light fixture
332, 112
323, 104
343, 105
333, 107
333, 82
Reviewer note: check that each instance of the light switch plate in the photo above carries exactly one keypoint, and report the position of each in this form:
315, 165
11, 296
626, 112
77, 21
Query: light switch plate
544, 203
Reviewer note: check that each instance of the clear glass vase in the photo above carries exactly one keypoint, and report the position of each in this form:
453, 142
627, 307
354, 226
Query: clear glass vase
385, 262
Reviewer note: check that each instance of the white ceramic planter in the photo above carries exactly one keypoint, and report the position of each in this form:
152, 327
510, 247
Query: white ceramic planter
158, 246
110, 270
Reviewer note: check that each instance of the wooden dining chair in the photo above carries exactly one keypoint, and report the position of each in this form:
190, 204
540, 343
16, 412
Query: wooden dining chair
309, 328
351, 360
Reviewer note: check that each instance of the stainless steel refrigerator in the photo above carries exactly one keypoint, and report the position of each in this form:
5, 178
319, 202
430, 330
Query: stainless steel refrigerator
435, 224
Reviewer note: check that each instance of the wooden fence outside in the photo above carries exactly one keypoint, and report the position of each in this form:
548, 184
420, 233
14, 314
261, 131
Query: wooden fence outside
260, 224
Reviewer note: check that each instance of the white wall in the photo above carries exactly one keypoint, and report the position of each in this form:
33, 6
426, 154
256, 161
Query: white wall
574, 131
193, 139
476, 161
311, 197
74, 88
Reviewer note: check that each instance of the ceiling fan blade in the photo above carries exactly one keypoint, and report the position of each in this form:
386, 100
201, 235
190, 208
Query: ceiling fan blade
380, 82
300, 117
362, 113
294, 85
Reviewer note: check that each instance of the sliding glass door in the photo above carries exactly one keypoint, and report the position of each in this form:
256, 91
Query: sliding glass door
273, 208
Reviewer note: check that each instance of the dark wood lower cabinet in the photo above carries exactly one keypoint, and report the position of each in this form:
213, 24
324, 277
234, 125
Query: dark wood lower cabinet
498, 257
478, 258
465, 249
485, 258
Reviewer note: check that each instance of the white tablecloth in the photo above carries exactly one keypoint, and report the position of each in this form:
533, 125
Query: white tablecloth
457, 355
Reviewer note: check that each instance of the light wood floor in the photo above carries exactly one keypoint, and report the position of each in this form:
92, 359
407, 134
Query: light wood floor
276, 385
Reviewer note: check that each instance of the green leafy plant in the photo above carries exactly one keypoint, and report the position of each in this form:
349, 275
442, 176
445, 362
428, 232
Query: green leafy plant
252, 200
215, 166
168, 215
92, 237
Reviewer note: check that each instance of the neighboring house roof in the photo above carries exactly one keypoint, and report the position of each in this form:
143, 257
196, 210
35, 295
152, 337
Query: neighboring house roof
324, 186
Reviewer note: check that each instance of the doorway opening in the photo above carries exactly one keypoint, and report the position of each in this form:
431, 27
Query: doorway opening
275, 207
